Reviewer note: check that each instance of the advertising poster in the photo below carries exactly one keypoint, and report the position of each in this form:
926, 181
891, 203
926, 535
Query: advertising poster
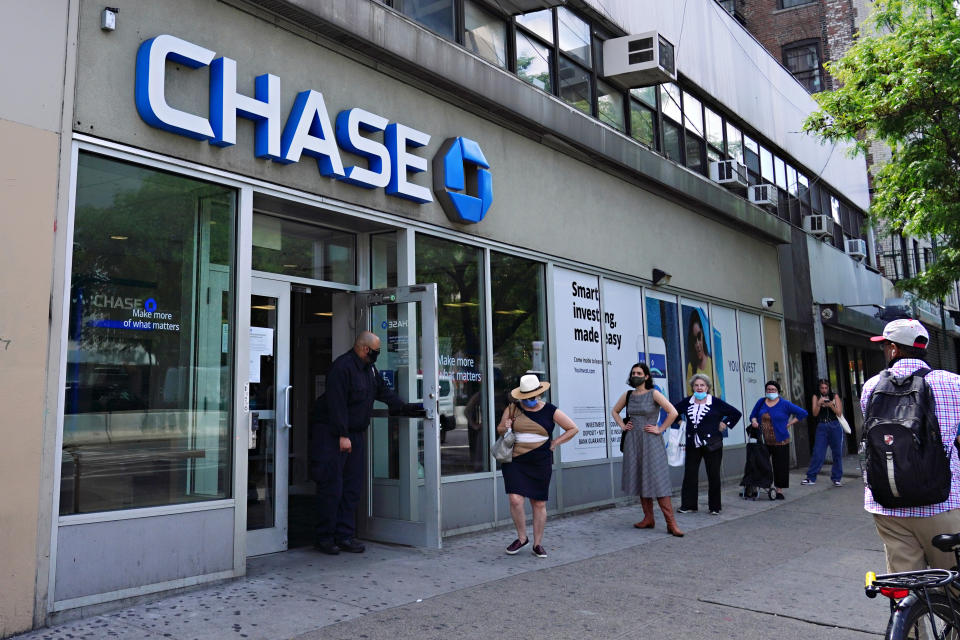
623, 335
751, 361
579, 375
698, 356
663, 345
726, 361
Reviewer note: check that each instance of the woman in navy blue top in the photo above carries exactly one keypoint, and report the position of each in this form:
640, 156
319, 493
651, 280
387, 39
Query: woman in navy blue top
775, 415
707, 417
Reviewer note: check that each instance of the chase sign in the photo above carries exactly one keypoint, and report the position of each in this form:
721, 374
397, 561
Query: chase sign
462, 181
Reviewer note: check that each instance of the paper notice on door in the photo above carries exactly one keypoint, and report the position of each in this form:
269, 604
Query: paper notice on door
261, 344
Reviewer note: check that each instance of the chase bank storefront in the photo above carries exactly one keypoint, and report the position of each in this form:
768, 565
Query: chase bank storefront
247, 198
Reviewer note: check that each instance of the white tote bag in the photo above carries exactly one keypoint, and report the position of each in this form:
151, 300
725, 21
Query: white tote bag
677, 445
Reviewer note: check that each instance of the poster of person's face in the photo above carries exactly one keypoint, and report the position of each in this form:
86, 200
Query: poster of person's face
663, 353
726, 365
579, 374
697, 350
623, 335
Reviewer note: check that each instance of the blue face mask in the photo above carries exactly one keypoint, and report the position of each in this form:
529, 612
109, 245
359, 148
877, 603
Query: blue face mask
700, 395
529, 403
773, 396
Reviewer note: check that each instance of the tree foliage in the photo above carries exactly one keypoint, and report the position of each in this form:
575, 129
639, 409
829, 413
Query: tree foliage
900, 85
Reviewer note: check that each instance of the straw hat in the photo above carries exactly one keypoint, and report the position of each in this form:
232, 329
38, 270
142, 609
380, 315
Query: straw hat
530, 387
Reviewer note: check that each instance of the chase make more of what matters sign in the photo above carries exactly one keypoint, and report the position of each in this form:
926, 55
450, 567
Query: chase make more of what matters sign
462, 179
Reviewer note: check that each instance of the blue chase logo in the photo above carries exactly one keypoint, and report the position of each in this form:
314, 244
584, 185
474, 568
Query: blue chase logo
462, 181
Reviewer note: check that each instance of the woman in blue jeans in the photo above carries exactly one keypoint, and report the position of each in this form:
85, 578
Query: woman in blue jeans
826, 407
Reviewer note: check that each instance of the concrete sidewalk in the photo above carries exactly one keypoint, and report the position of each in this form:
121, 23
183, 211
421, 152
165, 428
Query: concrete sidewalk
289, 594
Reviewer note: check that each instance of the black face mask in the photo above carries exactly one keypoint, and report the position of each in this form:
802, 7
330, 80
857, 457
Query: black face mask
372, 355
636, 381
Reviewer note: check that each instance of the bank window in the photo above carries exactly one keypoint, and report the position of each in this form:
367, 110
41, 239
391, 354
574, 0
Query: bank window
457, 269
303, 250
148, 396
751, 158
533, 63
734, 143
802, 59
714, 128
484, 34
766, 165
643, 123
575, 85
672, 141
436, 15
574, 36
779, 173
539, 23
519, 325
610, 105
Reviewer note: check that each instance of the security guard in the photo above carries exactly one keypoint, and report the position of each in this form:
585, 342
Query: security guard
341, 417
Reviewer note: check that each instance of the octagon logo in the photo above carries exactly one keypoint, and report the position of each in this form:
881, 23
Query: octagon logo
462, 181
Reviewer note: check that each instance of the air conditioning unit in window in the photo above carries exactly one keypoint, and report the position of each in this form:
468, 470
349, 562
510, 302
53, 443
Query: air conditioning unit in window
818, 225
856, 248
765, 195
514, 7
640, 60
729, 173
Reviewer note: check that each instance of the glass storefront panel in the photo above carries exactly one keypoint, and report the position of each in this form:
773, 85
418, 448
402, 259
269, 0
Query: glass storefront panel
303, 250
457, 270
149, 362
383, 260
518, 293
484, 34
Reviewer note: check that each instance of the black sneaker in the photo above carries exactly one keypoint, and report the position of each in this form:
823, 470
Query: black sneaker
351, 546
328, 547
538, 551
516, 545
682, 510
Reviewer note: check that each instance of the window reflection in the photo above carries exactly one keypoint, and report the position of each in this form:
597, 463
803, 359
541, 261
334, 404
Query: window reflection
304, 250
433, 14
148, 390
533, 63
575, 85
457, 270
519, 324
538, 22
610, 105
485, 34
574, 35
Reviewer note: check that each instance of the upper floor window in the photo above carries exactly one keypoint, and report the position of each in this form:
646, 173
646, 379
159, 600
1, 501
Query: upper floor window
484, 34
786, 4
802, 59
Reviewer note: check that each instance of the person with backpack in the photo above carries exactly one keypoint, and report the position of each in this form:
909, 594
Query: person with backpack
908, 451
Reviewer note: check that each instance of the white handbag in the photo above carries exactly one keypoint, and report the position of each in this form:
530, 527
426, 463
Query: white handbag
677, 445
844, 424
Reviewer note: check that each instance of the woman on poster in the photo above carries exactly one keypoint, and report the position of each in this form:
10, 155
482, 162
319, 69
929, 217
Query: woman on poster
645, 470
699, 359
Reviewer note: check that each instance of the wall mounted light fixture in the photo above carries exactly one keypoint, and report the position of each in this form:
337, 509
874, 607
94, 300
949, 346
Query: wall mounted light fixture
660, 277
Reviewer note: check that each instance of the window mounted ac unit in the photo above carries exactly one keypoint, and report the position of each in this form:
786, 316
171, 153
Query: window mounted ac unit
818, 225
514, 7
765, 195
729, 173
856, 248
639, 60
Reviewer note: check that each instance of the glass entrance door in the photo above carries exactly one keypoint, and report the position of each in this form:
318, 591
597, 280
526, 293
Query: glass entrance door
269, 427
403, 479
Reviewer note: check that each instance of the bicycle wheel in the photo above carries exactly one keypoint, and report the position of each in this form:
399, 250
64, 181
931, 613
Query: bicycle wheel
912, 621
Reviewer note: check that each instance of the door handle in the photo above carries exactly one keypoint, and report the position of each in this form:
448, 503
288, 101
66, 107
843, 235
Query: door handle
286, 407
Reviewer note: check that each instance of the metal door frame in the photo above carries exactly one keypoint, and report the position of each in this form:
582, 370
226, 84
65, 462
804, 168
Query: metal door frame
425, 532
273, 539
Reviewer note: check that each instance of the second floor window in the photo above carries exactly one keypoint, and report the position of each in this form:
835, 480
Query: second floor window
802, 59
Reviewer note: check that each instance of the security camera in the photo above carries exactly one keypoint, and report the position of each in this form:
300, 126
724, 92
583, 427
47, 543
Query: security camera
767, 302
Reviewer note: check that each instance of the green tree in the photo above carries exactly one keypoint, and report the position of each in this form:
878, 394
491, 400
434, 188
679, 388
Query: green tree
900, 85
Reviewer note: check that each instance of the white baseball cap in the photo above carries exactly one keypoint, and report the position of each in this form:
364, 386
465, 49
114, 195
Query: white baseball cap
906, 332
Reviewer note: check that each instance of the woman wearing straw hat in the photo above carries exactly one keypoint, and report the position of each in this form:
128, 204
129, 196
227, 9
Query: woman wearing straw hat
528, 475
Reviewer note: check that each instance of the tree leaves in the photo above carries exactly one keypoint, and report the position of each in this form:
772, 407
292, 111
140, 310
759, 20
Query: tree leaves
900, 85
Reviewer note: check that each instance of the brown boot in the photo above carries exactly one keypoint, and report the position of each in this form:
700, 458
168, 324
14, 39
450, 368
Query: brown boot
647, 522
666, 505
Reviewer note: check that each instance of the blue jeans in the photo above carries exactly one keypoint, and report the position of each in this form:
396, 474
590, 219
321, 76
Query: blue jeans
827, 433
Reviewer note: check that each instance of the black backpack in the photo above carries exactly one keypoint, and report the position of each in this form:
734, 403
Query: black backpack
904, 462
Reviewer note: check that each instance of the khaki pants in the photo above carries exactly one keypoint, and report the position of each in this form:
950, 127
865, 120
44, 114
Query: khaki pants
907, 544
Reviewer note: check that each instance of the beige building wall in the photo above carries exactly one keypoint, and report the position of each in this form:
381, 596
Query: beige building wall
33, 44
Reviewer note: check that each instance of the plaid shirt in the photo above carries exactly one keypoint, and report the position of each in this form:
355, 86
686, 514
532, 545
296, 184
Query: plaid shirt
946, 394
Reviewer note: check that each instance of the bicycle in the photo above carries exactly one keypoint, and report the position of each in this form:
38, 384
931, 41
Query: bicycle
922, 606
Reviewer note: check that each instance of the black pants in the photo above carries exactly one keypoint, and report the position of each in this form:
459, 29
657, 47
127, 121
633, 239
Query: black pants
691, 477
780, 459
339, 478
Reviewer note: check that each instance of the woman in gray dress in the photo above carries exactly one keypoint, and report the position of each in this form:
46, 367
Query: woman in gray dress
645, 470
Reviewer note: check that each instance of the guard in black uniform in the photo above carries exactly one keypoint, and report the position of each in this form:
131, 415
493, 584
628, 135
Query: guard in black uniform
341, 417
